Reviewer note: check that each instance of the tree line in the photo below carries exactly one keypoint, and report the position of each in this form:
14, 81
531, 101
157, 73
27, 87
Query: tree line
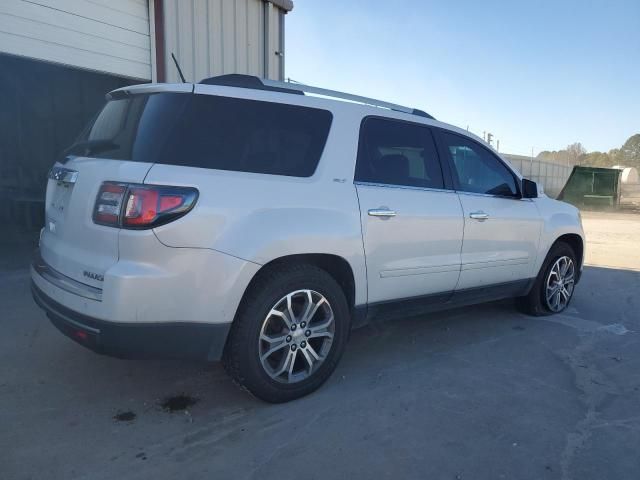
628, 155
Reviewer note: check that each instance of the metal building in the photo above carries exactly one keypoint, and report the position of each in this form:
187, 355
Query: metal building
212, 37
135, 38
59, 57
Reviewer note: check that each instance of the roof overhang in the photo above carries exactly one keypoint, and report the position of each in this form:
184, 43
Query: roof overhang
286, 5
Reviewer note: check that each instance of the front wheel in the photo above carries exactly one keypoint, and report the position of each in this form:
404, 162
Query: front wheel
289, 333
553, 289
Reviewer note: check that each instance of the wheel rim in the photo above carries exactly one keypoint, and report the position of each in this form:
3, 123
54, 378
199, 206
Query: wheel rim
296, 336
560, 283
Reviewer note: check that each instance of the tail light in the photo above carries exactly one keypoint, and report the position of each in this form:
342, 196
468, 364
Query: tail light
133, 206
109, 203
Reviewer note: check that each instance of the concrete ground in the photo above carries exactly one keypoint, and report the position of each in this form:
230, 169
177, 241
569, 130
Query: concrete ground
476, 393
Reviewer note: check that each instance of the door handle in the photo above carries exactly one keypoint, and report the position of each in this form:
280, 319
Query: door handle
381, 212
480, 215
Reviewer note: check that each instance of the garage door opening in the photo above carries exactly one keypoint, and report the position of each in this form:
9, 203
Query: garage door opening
43, 108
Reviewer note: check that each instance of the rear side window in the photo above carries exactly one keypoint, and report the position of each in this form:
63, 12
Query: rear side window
397, 153
209, 132
476, 169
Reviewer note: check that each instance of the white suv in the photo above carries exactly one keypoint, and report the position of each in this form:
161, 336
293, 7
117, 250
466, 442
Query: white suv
240, 219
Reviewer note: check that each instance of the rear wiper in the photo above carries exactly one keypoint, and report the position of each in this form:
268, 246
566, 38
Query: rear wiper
89, 147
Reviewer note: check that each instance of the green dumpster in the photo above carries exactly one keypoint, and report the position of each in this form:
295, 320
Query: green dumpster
592, 186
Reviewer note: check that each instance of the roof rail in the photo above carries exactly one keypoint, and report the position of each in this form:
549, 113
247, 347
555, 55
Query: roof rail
250, 81
301, 87
239, 80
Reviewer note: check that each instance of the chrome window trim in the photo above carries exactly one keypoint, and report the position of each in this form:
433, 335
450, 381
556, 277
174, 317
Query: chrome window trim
404, 187
506, 197
447, 190
63, 282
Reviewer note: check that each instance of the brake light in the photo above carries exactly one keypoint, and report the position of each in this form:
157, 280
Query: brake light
142, 206
136, 206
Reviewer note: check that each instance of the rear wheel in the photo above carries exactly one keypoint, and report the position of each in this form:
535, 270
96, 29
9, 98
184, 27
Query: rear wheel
289, 333
554, 286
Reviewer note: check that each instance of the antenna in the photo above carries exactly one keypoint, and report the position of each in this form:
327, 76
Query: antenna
175, 60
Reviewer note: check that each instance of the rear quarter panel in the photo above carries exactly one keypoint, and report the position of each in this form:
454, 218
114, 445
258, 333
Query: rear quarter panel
260, 218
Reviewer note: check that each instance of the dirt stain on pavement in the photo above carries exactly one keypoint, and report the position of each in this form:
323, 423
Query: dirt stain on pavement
178, 403
127, 416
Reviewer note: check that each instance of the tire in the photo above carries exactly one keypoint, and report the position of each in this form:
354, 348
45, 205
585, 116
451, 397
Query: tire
536, 302
262, 315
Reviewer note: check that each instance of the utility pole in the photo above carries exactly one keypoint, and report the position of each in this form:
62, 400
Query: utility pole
489, 138
531, 164
484, 136
497, 145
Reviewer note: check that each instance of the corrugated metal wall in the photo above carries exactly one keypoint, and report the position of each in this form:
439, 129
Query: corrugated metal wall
552, 176
214, 37
110, 36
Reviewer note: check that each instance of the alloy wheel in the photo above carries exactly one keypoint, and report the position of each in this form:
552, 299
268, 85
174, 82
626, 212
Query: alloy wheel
296, 336
560, 283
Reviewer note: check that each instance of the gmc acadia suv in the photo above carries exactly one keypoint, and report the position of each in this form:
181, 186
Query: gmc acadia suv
242, 220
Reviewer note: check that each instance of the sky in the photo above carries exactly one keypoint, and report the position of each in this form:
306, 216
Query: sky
537, 74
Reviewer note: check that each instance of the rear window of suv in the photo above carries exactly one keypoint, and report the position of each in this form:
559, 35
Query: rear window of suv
209, 132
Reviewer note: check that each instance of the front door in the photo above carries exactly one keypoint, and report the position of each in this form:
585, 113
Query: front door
501, 229
411, 225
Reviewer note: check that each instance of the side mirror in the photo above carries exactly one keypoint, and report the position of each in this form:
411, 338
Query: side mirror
529, 188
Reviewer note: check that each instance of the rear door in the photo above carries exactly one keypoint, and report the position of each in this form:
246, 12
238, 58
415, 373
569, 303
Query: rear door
120, 145
501, 229
411, 225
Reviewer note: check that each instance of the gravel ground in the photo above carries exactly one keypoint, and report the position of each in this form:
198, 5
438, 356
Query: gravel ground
473, 393
613, 239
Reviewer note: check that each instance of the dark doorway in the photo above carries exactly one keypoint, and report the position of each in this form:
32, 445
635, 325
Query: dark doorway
43, 107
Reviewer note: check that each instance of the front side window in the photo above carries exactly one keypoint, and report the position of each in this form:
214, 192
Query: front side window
397, 153
477, 170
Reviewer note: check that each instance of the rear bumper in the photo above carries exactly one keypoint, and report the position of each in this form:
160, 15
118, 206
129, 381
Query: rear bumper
189, 340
